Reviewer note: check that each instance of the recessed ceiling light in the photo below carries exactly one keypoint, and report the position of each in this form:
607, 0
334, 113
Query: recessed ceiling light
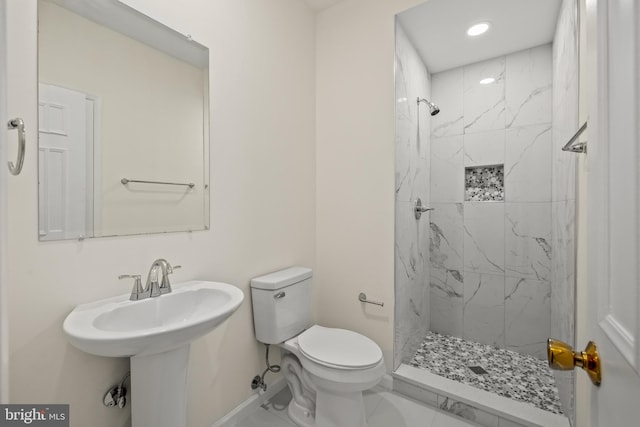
487, 81
477, 29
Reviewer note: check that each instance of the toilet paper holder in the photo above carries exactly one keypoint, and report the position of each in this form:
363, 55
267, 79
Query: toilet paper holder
363, 298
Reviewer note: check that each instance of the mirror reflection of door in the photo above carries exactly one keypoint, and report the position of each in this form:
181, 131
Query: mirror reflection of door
66, 133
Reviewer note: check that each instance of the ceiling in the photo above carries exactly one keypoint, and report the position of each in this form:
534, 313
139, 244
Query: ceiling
318, 5
437, 28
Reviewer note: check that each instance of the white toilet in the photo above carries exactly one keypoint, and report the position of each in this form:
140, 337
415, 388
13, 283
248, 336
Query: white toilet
327, 369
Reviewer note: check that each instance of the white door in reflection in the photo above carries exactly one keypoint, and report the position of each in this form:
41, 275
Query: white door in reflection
65, 163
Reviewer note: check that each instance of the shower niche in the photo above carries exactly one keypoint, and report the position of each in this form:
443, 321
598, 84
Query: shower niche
484, 183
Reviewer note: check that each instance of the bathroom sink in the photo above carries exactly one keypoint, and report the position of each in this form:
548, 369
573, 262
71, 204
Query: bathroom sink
118, 327
156, 333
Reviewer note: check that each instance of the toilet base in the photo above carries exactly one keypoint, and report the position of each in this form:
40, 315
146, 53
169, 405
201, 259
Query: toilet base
316, 402
332, 410
302, 407
300, 415
340, 409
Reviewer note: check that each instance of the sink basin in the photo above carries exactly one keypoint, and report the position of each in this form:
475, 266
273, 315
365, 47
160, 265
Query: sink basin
118, 327
156, 333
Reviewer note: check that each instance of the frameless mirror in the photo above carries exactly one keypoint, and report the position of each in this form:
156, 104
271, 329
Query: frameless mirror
123, 123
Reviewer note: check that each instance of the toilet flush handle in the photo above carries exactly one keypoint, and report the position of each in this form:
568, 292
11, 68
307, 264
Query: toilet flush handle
279, 295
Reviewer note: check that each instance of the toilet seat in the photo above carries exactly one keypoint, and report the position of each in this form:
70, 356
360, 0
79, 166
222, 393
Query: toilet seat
339, 348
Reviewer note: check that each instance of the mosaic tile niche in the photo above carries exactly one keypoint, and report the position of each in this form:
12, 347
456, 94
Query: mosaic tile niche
484, 183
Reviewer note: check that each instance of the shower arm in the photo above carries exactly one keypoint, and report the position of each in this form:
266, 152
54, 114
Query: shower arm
433, 108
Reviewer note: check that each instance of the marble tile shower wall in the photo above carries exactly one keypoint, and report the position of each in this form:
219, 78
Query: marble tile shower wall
411, 181
563, 194
491, 261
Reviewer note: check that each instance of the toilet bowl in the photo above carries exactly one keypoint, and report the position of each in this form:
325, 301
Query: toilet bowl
327, 369
334, 367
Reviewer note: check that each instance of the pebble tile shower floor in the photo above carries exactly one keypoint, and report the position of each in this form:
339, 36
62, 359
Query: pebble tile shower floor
517, 376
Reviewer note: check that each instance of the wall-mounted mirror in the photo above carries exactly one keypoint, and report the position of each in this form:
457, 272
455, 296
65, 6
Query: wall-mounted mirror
123, 123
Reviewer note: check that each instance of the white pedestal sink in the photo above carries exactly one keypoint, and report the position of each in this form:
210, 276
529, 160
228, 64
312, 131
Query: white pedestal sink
156, 333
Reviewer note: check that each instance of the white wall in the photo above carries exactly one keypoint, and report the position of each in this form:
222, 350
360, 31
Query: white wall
355, 166
262, 209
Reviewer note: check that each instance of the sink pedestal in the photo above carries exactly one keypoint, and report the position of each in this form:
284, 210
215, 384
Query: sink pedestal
156, 334
159, 389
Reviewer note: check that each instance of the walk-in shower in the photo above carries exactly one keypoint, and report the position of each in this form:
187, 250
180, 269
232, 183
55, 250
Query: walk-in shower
487, 275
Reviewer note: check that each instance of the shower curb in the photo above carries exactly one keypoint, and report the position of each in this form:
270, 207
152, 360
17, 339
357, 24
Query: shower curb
484, 408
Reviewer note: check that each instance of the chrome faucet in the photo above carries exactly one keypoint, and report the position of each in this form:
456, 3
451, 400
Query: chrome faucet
152, 288
164, 286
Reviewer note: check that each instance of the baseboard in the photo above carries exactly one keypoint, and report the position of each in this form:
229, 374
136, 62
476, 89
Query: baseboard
251, 404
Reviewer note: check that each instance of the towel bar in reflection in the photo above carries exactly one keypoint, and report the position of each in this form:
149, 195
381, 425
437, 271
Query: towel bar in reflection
125, 181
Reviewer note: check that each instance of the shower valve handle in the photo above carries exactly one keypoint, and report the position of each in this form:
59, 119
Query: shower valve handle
419, 209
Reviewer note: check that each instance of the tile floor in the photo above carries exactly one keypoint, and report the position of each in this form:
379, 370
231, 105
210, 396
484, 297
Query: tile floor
509, 374
384, 409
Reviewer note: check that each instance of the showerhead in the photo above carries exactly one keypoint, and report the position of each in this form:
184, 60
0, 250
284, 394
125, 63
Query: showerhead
433, 108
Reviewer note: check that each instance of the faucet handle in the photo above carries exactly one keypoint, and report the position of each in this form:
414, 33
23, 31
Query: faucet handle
136, 291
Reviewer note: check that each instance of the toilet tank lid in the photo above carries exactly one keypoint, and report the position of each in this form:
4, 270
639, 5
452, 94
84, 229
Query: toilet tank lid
281, 279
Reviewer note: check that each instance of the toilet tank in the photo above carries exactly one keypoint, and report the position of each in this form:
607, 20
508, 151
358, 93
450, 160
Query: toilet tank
281, 304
